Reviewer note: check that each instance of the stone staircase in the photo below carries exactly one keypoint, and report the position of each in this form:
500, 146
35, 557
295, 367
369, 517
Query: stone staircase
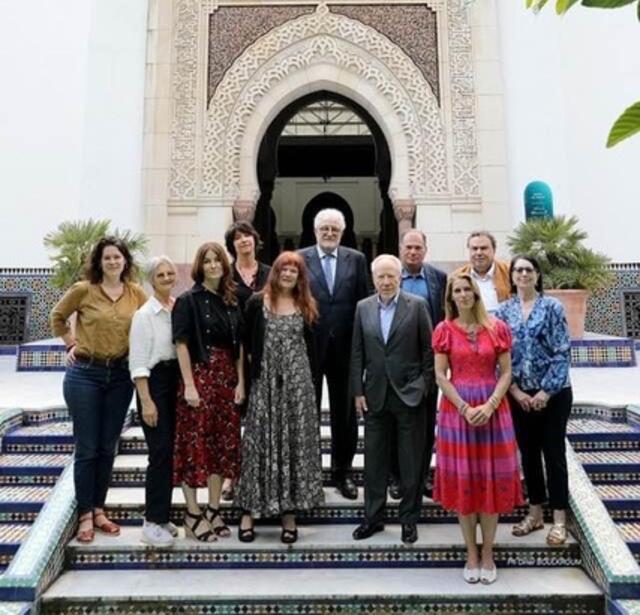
324, 572
30, 463
609, 450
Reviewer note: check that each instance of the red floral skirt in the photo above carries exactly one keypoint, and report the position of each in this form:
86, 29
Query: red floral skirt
208, 437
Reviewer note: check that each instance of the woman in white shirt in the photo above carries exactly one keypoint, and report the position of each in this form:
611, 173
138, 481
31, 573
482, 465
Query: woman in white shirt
154, 370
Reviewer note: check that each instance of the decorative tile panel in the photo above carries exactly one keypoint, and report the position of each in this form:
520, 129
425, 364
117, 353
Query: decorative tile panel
36, 283
14, 317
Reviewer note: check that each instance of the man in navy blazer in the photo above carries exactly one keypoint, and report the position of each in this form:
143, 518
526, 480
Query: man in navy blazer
338, 278
421, 279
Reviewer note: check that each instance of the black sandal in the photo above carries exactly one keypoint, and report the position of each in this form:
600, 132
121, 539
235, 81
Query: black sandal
211, 514
191, 528
289, 536
246, 534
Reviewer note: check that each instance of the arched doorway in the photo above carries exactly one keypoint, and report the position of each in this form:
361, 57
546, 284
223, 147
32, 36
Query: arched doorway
323, 201
324, 157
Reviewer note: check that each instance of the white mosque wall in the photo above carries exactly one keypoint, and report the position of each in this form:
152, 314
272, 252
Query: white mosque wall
71, 118
565, 81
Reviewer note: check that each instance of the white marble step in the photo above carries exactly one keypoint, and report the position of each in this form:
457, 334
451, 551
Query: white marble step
236, 584
133, 496
135, 432
322, 536
139, 462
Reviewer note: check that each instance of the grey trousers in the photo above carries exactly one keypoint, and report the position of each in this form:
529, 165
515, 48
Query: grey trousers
408, 426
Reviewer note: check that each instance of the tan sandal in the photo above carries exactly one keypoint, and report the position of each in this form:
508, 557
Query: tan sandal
86, 532
526, 526
557, 534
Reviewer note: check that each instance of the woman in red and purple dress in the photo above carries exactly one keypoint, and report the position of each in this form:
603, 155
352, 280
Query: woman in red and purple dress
206, 323
477, 471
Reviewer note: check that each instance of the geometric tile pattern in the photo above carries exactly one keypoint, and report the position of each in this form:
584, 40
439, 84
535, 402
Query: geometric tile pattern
22, 495
618, 492
603, 353
632, 313
613, 457
41, 358
605, 308
592, 426
630, 531
342, 556
60, 428
14, 317
35, 282
524, 605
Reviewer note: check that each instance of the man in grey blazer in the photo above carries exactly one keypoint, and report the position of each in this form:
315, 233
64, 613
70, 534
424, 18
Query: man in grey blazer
391, 373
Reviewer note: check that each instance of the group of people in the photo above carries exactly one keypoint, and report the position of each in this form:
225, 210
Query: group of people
253, 344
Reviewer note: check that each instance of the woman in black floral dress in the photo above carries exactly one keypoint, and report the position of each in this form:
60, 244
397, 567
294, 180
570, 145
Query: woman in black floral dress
281, 462
206, 330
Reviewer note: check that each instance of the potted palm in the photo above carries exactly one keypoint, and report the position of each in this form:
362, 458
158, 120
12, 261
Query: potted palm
72, 241
571, 270
71, 244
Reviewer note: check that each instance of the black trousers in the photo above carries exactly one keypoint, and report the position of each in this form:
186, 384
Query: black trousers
431, 402
163, 386
344, 424
406, 425
542, 434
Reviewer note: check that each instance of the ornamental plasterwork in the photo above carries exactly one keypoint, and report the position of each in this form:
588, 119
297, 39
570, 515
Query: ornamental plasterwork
345, 42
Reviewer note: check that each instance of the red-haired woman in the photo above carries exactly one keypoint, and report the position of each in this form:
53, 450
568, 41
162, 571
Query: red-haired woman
206, 324
281, 463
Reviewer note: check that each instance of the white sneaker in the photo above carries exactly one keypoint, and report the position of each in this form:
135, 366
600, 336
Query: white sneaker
155, 535
171, 528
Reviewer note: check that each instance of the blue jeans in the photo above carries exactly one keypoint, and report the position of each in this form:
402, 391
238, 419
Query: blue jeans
98, 399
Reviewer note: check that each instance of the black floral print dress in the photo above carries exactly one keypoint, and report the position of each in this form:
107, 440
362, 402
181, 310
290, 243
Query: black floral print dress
281, 461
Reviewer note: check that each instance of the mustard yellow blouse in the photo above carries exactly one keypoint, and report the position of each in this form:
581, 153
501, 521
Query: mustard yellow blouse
102, 325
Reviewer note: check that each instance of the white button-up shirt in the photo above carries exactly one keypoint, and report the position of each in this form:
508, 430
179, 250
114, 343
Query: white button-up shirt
487, 288
150, 338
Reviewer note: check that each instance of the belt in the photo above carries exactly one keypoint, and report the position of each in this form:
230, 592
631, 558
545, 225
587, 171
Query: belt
108, 362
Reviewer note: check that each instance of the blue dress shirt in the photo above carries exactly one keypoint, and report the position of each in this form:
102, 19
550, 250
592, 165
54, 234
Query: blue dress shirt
387, 312
416, 284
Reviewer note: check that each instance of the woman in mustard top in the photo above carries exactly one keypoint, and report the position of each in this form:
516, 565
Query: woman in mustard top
97, 388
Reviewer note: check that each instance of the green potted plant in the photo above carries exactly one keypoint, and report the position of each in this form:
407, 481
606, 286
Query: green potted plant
571, 270
72, 241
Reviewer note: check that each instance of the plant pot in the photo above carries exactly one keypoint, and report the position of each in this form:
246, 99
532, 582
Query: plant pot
575, 307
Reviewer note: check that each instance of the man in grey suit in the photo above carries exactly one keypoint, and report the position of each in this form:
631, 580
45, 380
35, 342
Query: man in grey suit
338, 279
391, 373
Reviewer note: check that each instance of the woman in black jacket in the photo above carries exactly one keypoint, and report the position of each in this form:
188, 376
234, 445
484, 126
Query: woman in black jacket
281, 463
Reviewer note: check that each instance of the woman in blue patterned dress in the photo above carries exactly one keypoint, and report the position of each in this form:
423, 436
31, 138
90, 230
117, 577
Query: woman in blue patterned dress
540, 394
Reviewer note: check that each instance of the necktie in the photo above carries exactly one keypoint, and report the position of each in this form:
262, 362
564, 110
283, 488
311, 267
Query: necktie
328, 271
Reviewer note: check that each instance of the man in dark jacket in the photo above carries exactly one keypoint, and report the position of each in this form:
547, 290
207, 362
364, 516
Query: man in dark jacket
338, 277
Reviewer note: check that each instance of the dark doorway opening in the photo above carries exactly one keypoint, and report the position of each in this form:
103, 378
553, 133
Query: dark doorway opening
324, 156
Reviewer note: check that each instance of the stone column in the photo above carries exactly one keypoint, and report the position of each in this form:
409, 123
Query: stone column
404, 210
244, 210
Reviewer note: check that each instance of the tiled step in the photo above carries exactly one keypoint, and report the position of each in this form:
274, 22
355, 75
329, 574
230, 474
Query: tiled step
631, 534
21, 504
126, 506
622, 501
130, 470
53, 437
321, 592
11, 535
598, 435
31, 469
615, 467
328, 546
133, 442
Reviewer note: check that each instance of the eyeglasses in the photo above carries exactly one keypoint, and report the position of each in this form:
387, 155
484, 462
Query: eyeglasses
523, 269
